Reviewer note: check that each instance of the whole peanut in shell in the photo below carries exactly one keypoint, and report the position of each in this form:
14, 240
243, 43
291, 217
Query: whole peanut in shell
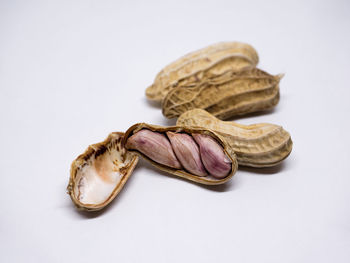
228, 95
202, 64
256, 145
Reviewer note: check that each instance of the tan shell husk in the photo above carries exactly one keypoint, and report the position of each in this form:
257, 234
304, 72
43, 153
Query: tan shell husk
231, 94
202, 64
257, 145
207, 180
125, 164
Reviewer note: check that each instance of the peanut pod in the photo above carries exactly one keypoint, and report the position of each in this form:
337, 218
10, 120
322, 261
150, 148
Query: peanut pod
202, 64
230, 94
148, 144
98, 175
257, 145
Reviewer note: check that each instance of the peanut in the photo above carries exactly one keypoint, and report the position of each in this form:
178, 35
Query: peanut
212, 155
202, 64
213, 162
230, 94
155, 145
187, 152
257, 145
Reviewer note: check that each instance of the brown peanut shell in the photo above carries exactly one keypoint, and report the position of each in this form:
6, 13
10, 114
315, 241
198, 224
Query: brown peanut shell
202, 64
208, 180
230, 94
124, 162
257, 145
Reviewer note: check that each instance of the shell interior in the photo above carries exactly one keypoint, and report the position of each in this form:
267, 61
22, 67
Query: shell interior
99, 174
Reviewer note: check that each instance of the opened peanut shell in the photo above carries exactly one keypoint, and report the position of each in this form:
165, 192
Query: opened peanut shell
182, 156
99, 174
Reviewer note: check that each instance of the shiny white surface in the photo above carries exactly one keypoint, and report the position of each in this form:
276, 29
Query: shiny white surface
94, 187
73, 71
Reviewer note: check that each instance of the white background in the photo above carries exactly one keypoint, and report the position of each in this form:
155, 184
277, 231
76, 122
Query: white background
73, 71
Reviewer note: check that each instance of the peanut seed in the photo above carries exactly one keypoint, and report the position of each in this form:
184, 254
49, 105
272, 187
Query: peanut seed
154, 145
213, 157
187, 151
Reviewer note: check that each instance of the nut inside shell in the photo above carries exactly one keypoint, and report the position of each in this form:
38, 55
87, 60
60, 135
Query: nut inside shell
98, 175
208, 180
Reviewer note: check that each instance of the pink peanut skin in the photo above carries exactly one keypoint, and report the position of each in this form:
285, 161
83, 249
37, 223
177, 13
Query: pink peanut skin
155, 146
187, 152
213, 157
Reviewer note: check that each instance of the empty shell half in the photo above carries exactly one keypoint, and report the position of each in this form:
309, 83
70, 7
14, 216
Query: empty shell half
98, 175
